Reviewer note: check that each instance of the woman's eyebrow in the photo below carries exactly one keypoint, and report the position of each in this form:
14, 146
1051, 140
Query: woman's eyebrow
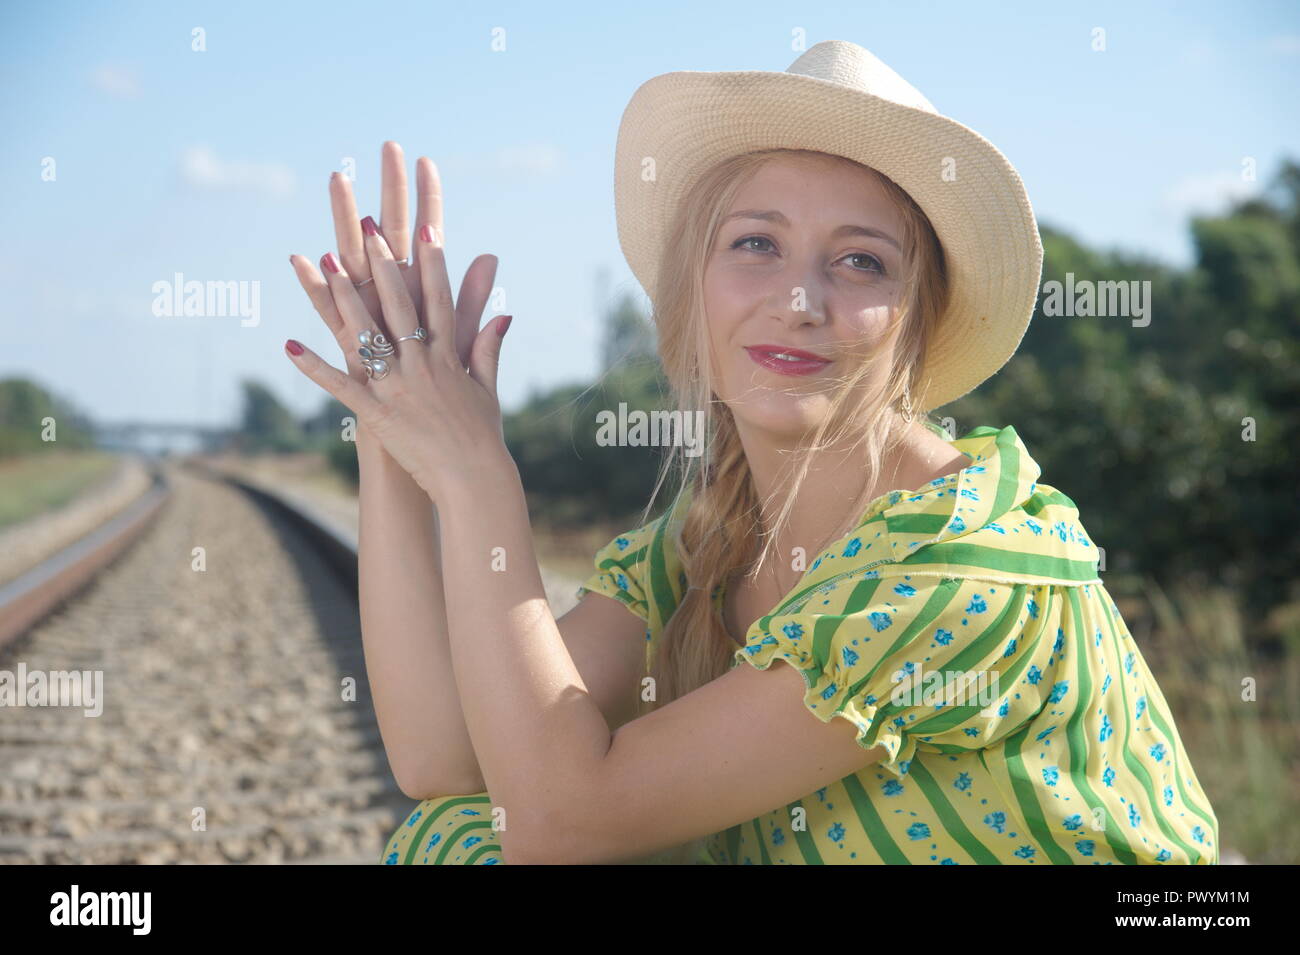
771, 215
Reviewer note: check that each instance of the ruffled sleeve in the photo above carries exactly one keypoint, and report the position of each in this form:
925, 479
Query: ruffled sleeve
620, 572
937, 664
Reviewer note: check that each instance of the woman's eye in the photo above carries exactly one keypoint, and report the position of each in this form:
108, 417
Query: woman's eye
749, 238
875, 264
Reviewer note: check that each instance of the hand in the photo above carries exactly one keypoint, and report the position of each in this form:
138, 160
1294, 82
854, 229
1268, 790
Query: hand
438, 422
474, 289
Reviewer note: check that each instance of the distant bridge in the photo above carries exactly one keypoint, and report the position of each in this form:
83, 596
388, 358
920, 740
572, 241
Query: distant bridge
157, 437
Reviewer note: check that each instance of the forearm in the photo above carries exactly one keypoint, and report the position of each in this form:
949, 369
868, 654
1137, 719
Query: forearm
539, 736
404, 631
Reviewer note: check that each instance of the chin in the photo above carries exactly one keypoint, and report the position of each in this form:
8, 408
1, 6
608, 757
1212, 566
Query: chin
781, 416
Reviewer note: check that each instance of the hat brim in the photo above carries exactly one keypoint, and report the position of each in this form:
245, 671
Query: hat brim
687, 121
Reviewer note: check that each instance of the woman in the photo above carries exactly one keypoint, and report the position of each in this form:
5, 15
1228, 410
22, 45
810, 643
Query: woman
829, 259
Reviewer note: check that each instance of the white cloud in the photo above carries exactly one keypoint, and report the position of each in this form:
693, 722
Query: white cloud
1206, 193
203, 168
116, 81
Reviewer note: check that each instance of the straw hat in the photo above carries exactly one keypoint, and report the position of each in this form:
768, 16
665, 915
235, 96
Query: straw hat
838, 98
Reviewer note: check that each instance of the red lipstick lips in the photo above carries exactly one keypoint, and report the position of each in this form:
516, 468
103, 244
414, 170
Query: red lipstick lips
798, 362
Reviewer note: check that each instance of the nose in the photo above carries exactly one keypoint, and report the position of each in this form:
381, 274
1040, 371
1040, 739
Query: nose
804, 301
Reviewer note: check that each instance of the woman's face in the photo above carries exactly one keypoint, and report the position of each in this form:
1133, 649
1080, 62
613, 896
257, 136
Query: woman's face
808, 257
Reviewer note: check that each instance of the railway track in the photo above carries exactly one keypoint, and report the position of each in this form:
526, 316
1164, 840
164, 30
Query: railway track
225, 735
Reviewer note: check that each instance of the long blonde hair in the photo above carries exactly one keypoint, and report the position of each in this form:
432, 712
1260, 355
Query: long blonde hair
716, 538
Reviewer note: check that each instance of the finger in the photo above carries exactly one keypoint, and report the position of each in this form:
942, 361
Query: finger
439, 314
428, 196
356, 317
347, 228
428, 211
475, 288
395, 216
486, 357
318, 290
399, 310
358, 398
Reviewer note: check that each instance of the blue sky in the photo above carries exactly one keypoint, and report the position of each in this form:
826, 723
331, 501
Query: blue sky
214, 164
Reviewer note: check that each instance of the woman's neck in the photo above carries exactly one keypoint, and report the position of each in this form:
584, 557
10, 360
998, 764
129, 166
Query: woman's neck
835, 480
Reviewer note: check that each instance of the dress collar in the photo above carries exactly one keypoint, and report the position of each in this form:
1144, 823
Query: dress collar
990, 519
1002, 476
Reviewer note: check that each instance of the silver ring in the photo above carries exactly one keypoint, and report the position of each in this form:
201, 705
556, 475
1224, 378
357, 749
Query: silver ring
420, 335
375, 348
401, 264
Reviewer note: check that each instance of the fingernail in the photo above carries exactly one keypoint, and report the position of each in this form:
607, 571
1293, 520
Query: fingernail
426, 233
368, 226
292, 347
505, 323
332, 263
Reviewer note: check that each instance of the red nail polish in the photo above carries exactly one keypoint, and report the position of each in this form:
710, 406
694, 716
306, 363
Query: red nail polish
505, 323
368, 226
426, 233
292, 347
332, 263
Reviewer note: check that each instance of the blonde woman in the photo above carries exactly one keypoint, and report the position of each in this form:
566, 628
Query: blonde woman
849, 640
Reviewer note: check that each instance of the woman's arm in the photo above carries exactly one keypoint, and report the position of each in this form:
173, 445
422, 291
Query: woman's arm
404, 631
403, 610
403, 614
574, 788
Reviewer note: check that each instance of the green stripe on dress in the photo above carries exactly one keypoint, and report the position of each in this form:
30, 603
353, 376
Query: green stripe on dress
1041, 500
804, 838
860, 596
935, 606
625, 560
762, 843
1076, 728
659, 585
918, 525
446, 804
959, 554
823, 636
733, 845
1026, 792
1008, 485
872, 824
458, 835
988, 644
1158, 717
1027, 799
1134, 764
490, 848
1188, 801
949, 816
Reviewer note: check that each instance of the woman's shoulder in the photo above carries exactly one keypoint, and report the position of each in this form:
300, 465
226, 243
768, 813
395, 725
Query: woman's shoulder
640, 567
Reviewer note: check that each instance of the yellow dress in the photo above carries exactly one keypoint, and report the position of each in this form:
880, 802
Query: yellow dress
963, 627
